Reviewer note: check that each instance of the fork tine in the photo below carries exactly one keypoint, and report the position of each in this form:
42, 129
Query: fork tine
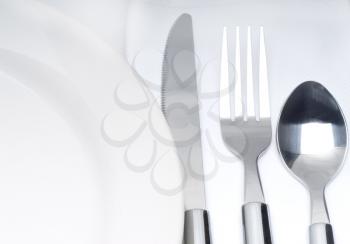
256, 66
238, 105
225, 112
263, 79
250, 85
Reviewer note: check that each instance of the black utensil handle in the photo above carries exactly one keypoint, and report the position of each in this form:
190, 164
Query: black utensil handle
256, 223
196, 230
321, 233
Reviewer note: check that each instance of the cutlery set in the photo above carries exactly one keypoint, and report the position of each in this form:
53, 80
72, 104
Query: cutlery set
311, 133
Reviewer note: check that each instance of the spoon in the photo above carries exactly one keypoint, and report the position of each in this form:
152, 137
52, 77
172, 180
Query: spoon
312, 139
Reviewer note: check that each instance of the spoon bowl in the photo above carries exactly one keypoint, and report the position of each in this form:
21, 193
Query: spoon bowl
312, 140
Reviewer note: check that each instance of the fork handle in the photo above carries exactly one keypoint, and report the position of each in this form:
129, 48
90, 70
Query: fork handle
256, 223
196, 229
321, 233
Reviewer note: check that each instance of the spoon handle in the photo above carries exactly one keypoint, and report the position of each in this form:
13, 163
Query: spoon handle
321, 233
256, 223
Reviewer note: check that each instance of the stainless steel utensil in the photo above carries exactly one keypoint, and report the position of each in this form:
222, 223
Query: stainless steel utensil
312, 139
180, 106
246, 128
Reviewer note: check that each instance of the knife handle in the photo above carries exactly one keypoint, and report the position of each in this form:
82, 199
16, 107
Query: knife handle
321, 233
256, 223
196, 230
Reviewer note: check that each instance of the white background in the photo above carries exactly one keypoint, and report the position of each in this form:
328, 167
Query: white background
306, 40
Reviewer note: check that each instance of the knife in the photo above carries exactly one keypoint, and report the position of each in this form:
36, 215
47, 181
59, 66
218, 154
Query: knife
180, 105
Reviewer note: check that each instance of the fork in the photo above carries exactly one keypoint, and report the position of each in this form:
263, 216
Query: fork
245, 122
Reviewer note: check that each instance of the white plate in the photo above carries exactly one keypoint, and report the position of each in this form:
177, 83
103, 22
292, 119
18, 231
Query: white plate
106, 18
67, 174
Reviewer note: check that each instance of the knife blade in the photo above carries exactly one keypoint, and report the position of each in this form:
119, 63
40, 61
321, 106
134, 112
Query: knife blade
180, 105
